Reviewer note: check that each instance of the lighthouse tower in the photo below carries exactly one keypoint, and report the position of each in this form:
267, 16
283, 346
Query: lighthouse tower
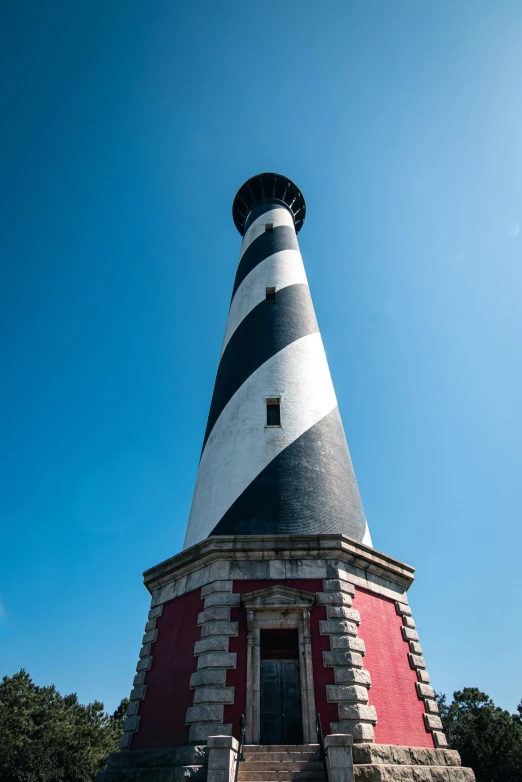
280, 644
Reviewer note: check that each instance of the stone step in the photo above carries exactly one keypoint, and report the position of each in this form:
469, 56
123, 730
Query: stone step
246, 775
289, 764
275, 756
388, 773
281, 748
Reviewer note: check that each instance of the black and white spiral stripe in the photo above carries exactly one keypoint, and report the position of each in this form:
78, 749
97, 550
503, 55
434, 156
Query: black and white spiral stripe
298, 478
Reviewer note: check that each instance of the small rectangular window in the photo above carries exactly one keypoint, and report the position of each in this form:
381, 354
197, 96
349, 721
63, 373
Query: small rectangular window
271, 294
269, 226
273, 412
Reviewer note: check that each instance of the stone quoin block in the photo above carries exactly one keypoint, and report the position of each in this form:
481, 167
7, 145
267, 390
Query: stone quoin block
347, 642
361, 731
402, 609
439, 739
217, 660
415, 648
416, 661
216, 586
131, 724
155, 612
408, 622
432, 722
151, 625
408, 634
333, 598
213, 695
132, 709
216, 613
138, 693
210, 677
337, 585
340, 612
125, 741
339, 657
356, 661
149, 637
423, 676
215, 643
424, 690
337, 627
139, 679
201, 732
219, 628
203, 713
145, 650
431, 706
357, 711
352, 676
144, 664
222, 599
339, 693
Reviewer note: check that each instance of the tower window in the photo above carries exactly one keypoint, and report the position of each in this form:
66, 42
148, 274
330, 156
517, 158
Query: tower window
269, 227
273, 411
271, 294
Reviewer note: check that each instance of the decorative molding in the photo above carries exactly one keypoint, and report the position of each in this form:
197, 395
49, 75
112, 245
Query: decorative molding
277, 607
139, 690
425, 693
226, 557
350, 690
211, 693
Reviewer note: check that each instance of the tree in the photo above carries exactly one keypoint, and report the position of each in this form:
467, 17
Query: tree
47, 737
488, 738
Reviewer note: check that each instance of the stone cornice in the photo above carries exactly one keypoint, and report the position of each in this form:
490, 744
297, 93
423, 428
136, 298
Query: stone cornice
279, 547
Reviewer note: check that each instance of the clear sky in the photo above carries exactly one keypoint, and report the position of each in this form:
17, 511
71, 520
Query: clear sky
127, 129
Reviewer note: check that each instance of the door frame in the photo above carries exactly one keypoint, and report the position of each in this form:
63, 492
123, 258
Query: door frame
274, 608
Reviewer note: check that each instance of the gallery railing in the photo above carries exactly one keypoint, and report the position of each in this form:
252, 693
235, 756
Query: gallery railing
240, 756
320, 741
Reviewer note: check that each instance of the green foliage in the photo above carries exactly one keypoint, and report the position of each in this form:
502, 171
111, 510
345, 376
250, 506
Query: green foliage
488, 738
47, 737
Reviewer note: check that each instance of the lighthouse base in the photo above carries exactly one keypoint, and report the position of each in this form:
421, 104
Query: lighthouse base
371, 763
280, 629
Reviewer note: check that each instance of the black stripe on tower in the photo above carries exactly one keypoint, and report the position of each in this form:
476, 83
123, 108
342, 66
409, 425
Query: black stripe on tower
265, 331
304, 490
281, 238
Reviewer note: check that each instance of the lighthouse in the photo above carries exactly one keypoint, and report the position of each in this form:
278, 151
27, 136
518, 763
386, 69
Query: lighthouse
275, 458
279, 645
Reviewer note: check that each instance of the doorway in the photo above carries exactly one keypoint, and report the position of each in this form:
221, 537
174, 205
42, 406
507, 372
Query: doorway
281, 713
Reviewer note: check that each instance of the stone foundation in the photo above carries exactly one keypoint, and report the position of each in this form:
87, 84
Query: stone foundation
387, 763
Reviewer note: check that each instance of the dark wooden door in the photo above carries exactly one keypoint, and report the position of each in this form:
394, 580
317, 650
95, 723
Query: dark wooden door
281, 720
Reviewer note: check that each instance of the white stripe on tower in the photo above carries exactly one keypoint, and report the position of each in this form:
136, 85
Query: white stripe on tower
278, 216
279, 270
229, 464
253, 478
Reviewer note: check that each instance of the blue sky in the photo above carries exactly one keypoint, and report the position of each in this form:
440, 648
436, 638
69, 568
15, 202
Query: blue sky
128, 127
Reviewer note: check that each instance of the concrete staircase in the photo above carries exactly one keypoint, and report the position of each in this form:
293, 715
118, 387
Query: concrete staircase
281, 763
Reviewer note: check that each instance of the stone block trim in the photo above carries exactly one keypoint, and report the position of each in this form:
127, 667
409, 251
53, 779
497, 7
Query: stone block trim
350, 690
352, 676
216, 586
341, 612
337, 627
409, 635
339, 693
333, 598
209, 681
139, 690
425, 693
199, 732
338, 585
208, 677
217, 660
